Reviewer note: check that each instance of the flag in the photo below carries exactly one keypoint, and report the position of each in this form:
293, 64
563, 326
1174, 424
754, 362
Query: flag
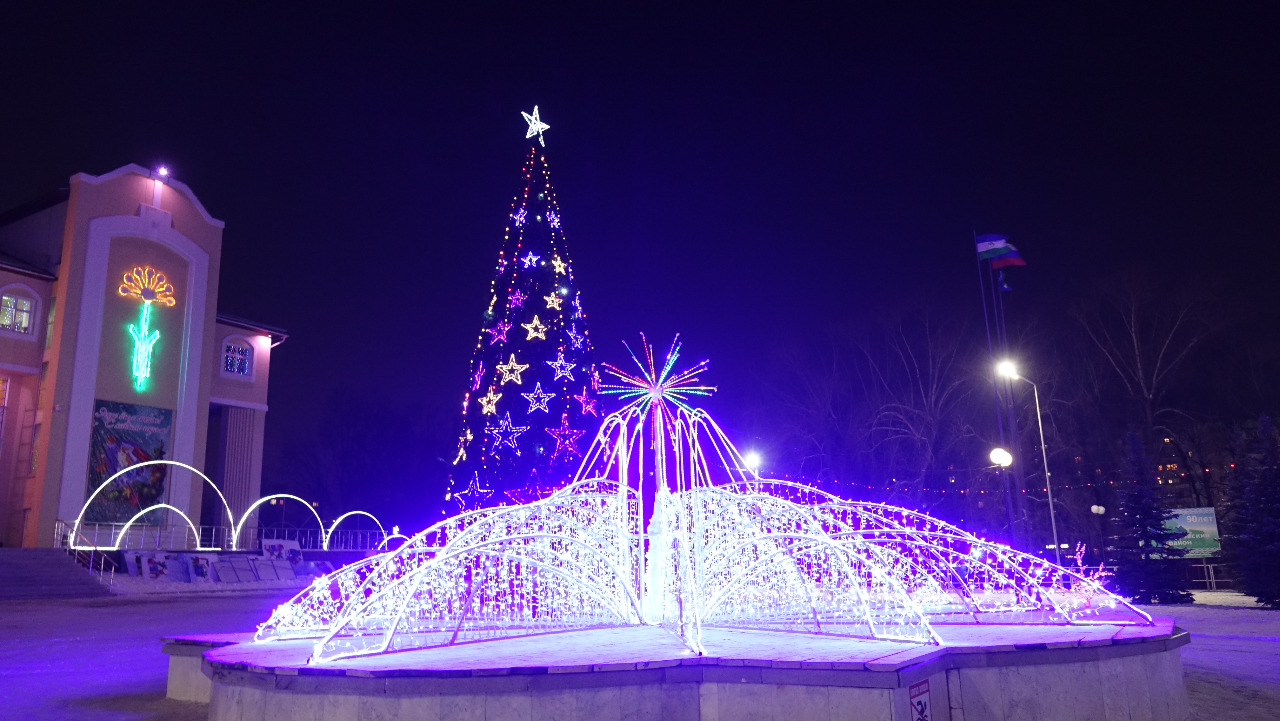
997, 249
1010, 258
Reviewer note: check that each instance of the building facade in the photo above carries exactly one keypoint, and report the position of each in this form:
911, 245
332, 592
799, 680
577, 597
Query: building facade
112, 353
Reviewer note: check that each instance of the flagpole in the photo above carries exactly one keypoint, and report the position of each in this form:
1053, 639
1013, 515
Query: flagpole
995, 384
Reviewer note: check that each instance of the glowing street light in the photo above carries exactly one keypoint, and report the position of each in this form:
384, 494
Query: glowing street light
752, 461
1008, 369
1001, 457
164, 172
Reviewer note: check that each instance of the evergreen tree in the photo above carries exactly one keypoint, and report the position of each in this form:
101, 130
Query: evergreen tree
1147, 568
1257, 552
530, 407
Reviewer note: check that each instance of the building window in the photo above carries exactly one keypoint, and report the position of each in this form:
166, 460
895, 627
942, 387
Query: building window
16, 313
237, 359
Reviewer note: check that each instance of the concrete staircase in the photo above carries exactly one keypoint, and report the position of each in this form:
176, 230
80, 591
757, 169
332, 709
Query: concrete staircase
36, 573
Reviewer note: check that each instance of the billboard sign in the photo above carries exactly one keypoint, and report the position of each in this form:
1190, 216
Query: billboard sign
1201, 526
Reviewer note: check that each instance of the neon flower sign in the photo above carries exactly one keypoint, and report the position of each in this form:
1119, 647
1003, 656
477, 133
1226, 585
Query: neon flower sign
149, 286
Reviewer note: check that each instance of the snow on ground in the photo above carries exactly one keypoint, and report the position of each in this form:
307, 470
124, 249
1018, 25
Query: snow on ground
1232, 664
100, 659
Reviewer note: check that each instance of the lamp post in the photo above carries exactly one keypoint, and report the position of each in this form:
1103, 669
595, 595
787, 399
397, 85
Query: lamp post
1007, 369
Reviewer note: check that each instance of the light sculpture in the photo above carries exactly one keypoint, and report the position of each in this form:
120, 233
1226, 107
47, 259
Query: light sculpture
719, 547
120, 536
149, 286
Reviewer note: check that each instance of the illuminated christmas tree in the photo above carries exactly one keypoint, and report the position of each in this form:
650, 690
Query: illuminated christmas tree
530, 406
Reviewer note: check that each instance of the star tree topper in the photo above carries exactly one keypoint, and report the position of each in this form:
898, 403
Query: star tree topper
536, 126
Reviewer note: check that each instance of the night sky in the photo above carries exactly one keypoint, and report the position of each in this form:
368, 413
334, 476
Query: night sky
747, 180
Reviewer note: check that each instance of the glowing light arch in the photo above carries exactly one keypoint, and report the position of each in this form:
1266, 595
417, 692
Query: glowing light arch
235, 534
388, 539
343, 517
156, 507
236, 525
75, 528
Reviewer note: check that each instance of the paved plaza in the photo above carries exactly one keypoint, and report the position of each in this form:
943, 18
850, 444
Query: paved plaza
100, 659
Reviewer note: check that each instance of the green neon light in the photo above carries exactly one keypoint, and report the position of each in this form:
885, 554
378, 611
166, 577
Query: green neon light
144, 340
147, 285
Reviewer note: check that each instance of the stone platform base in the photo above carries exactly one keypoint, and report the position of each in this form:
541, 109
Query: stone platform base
981, 673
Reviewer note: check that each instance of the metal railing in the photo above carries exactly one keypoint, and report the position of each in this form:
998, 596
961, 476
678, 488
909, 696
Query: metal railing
1213, 576
94, 560
179, 536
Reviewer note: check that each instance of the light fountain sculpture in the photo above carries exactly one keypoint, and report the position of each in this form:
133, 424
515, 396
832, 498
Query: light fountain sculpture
722, 548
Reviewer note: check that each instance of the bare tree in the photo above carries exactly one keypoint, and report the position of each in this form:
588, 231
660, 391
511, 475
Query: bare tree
1145, 336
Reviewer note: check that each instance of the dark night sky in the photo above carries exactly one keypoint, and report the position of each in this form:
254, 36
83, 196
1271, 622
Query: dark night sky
744, 179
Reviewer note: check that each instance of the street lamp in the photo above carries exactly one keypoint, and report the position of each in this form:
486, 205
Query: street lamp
1001, 457
1007, 369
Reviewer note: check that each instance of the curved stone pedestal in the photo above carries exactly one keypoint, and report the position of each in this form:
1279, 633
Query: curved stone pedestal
981, 673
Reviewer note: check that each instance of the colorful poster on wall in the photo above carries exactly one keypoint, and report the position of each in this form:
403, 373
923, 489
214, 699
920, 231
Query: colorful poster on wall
1201, 526
123, 435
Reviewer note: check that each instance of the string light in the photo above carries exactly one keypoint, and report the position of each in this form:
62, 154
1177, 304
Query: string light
553, 218
588, 404
536, 329
654, 386
511, 370
767, 554
516, 299
575, 338
536, 126
538, 399
498, 332
520, 217
475, 379
562, 368
553, 301
489, 404
506, 434
566, 438
559, 265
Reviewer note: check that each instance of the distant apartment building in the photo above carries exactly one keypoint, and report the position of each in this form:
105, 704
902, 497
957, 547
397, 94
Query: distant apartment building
112, 353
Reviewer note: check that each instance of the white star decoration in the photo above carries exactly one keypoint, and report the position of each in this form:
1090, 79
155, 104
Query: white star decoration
562, 367
538, 399
511, 433
536, 126
530, 260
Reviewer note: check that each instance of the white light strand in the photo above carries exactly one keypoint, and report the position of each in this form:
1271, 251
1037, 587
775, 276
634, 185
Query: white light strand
723, 548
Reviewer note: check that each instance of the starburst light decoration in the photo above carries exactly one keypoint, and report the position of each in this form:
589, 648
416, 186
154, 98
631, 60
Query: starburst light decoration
655, 386
720, 547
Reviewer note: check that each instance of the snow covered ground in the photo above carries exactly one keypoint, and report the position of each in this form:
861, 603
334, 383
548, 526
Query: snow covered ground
1232, 664
100, 659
